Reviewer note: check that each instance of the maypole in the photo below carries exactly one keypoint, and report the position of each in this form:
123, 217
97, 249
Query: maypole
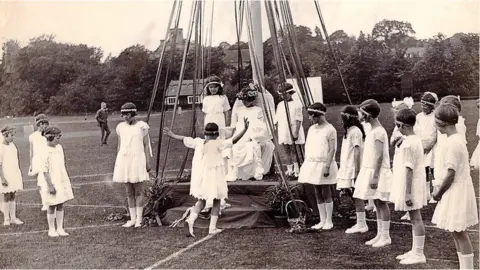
255, 43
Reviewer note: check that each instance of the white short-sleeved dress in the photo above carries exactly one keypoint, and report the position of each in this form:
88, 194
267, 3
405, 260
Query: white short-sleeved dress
316, 151
475, 160
214, 107
295, 110
208, 168
457, 210
38, 143
346, 173
439, 153
425, 128
53, 163
130, 165
362, 184
409, 155
10, 168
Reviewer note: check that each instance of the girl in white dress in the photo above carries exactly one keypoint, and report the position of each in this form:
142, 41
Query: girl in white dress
54, 181
10, 176
215, 103
295, 116
457, 208
475, 160
351, 160
37, 142
425, 128
209, 171
374, 179
133, 161
320, 168
408, 185
441, 140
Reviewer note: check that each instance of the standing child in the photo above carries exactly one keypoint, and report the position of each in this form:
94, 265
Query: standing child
295, 116
37, 144
10, 176
475, 160
208, 171
425, 128
408, 187
54, 181
351, 160
133, 161
442, 138
374, 179
320, 168
457, 207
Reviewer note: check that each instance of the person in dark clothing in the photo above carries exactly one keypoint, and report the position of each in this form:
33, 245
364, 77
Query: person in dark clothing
102, 115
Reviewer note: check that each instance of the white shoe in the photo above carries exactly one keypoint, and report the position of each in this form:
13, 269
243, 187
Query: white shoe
357, 228
373, 241
414, 259
62, 232
214, 231
6, 222
318, 226
405, 255
190, 228
129, 224
382, 242
53, 233
16, 221
327, 226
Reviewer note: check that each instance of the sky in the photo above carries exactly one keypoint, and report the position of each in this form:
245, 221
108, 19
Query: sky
116, 25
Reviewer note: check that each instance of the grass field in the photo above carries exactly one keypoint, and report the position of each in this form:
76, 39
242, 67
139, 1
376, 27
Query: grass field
97, 243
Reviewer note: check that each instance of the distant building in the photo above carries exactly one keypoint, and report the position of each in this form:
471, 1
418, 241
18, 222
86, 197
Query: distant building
415, 51
179, 42
186, 97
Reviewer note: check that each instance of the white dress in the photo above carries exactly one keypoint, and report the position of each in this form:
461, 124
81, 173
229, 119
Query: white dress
409, 155
425, 128
475, 160
362, 184
214, 107
130, 165
208, 168
316, 151
38, 143
440, 148
457, 210
295, 110
346, 173
10, 168
53, 163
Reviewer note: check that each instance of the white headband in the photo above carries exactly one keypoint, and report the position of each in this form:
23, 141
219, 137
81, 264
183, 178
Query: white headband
363, 111
349, 115
219, 83
316, 111
128, 110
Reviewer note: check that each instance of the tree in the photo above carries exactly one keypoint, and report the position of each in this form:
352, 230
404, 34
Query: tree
394, 34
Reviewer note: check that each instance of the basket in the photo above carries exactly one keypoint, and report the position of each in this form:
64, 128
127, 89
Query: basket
298, 224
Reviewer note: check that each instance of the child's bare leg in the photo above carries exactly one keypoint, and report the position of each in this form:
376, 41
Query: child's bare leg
214, 217
361, 225
322, 210
327, 196
131, 205
138, 188
466, 249
382, 208
415, 255
196, 209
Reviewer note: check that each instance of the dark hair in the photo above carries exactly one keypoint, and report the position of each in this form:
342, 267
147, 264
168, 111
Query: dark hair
129, 108
211, 129
317, 106
406, 116
350, 118
214, 80
50, 133
451, 99
371, 106
428, 97
447, 113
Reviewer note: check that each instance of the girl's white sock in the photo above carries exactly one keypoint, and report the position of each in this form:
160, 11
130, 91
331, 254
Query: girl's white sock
296, 168
6, 213
419, 243
467, 261
361, 219
460, 260
60, 218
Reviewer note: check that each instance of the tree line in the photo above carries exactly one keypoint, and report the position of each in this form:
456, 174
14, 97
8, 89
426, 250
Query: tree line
62, 78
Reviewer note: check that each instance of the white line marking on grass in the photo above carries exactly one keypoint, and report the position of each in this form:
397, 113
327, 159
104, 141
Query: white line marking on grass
73, 186
181, 251
76, 176
441, 260
410, 224
71, 228
78, 205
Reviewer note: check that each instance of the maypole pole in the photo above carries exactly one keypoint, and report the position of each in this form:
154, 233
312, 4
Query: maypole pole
255, 43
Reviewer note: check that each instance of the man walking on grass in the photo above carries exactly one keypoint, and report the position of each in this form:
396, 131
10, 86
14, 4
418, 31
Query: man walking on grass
102, 115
